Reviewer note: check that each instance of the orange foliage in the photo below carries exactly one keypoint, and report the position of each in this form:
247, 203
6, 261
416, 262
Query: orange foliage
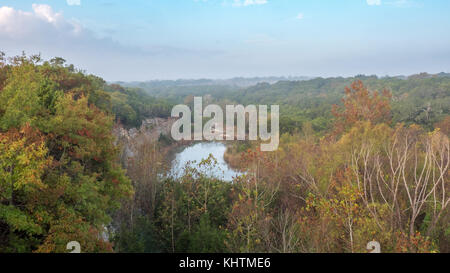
444, 126
413, 244
360, 104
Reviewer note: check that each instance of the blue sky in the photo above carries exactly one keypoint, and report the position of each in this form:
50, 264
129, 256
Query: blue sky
171, 39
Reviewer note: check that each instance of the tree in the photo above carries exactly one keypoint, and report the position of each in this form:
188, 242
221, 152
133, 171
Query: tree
405, 169
60, 178
360, 104
23, 162
444, 126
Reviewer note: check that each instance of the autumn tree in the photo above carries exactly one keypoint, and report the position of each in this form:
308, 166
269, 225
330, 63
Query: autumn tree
404, 169
444, 126
359, 104
60, 177
195, 202
23, 162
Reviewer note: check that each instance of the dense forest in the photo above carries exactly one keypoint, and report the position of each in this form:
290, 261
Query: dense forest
422, 99
59, 177
360, 159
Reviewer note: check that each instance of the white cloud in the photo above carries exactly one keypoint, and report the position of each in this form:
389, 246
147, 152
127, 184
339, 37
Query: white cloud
45, 31
17, 24
300, 16
240, 3
74, 2
373, 2
46, 13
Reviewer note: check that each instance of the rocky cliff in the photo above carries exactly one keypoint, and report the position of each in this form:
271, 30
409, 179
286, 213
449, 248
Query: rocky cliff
150, 131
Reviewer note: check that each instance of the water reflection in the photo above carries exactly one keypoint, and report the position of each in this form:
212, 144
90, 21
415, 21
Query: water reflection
199, 152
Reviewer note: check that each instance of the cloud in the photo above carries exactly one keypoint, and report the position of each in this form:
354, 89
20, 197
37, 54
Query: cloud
17, 24
74, 2
45, 31
300, 16
244, 3
373, 2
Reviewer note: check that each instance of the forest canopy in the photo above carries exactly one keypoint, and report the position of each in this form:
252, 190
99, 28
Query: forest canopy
420, 99
59, 174
360, 159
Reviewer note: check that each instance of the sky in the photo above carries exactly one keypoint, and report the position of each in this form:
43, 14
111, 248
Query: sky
139, 40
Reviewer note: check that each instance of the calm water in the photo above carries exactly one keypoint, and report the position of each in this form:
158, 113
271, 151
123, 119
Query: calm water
199, 152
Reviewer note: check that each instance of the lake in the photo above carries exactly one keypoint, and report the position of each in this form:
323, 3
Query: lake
199, 152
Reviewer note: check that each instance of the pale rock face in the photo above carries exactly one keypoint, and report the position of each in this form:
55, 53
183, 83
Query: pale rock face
150, 130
